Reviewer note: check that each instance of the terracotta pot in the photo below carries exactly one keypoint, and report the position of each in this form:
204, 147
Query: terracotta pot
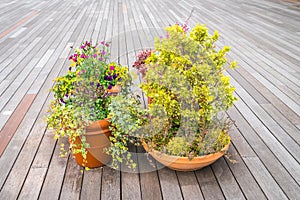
184, 163
97, 136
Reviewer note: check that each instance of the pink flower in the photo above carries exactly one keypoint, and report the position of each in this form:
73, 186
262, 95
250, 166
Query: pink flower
112, 68
102, 42
95, 55
103, 52
100, 58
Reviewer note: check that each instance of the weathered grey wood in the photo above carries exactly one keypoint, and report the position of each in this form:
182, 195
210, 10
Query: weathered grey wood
150, 186
130, 186
169, 184
264, 179
55, 175
130, 178
268, 159
243, 176
110, 184
287, 160
229, 186
91, 184
208, 184
71, 186
189, 185
265, 38
38, 168
149, 180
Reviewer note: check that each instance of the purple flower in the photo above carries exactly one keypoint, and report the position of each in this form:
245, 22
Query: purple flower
67, 95
82, 46
83, 71
101, 59
115, 76
95, 55
103, 52
107, 44
112, 67
92, 83
70, 68
102, 42
61, 100
75, 55
110, 78
105, 77
98, 84
109, 87
167, 35
82, 56
71, 57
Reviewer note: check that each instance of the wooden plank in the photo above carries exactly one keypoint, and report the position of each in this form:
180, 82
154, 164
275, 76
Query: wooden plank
259, 98
265, 180
150, 187
189, 185
130, 178
55, 176
38, 169
130, 183
243, 176
169, 184
272, 164
34, 135
71, 186
14, 121
91, 185
208, 184
149, 180
19, 23
285, 110
290, 128
284, 156
110, 184
228, 184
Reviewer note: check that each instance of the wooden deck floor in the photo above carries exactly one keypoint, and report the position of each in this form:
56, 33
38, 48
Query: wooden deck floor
35, 36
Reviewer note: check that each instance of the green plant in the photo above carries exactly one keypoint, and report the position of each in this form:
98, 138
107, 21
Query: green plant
83, 94
127, 117
188, 91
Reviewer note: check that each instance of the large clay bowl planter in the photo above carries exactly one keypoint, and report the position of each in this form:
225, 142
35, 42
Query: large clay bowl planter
97, 136
184, 163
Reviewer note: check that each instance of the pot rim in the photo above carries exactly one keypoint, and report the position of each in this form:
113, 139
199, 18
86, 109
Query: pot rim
223, 150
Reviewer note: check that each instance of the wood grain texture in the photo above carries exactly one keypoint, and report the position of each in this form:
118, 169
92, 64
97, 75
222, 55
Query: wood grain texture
14, 121
35, 36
